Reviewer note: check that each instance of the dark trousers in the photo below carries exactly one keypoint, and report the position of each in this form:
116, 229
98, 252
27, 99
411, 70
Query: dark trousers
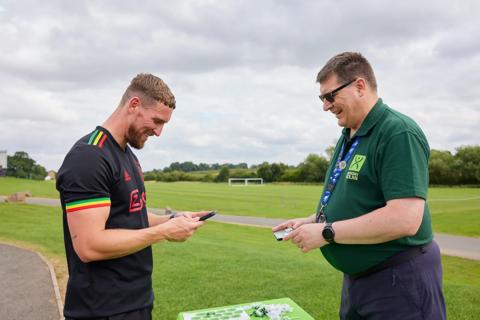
140, 314
411, 290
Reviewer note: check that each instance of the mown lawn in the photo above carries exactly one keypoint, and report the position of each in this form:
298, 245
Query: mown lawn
461, 205
455, 210
227, 264
37, 188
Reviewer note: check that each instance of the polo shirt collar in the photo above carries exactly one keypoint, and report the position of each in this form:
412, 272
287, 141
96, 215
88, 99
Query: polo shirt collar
370, 120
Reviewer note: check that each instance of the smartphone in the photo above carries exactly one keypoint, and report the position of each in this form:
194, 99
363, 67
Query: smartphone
207, 216
279, 235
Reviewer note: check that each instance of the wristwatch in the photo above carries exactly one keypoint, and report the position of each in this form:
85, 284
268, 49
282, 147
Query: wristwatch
328, 233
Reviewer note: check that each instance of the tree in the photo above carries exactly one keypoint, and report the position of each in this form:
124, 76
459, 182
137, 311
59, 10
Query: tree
207, 178
442, 168
461, 168
242, 165
271, 172
468, 158
291, 175
223, 175
242, 173
278, 169
203, 167
329, 152
150, 176
313, 169
189, 166
20, 165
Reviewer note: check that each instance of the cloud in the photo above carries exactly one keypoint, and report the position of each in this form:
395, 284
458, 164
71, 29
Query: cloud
243, 72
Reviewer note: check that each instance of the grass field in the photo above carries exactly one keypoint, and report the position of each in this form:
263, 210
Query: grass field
227, 264
461, 205
37, 188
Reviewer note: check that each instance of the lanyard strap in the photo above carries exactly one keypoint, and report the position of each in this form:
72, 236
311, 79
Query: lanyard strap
340, 165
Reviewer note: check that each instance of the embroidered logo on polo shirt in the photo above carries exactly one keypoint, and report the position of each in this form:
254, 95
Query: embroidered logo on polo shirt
357, 163
126, 176
137, 201
355, 167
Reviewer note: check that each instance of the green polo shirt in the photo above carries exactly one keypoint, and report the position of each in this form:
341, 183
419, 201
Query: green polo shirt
390, 162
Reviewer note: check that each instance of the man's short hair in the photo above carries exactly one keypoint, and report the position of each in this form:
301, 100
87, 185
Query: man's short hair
348, 66
151, 89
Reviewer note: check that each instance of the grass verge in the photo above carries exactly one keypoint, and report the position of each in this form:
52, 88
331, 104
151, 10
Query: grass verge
228, 264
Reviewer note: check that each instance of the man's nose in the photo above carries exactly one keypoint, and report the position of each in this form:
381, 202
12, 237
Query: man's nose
327, 105
158, 130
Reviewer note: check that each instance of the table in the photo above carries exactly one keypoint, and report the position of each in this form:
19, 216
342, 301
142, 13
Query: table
244, 311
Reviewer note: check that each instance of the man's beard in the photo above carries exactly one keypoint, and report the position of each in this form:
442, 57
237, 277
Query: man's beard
135, 138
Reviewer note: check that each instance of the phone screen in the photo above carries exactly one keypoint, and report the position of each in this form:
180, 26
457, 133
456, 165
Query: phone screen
279, 235
207, 216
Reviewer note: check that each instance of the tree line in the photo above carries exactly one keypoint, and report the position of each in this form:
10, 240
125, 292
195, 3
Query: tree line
20, 165
189, 166
463, 167
445, 168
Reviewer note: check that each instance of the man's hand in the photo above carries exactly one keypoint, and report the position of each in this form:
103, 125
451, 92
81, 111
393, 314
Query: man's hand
307, 237
180, 228
293, 223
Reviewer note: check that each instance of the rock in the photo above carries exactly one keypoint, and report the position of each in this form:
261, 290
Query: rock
18, 197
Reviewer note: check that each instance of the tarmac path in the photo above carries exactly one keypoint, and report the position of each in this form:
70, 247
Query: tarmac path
28, 288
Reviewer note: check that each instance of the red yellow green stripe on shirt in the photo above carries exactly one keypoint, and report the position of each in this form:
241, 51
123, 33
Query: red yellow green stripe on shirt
87, 204
97, 138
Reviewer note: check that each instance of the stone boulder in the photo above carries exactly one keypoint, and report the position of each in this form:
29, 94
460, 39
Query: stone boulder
18, 197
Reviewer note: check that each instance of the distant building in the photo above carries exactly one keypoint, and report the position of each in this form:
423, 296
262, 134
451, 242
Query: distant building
3, 163
51, 175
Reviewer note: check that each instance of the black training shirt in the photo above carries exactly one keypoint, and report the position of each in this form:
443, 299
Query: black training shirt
97, 172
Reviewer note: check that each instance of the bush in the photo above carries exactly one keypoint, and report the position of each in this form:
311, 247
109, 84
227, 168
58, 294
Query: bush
223, 175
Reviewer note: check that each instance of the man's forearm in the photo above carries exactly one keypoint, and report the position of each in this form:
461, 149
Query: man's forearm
312, 218
116, 243
396, 220
156, 219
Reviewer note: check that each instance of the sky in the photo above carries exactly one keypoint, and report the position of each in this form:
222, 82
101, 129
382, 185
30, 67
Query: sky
243, 72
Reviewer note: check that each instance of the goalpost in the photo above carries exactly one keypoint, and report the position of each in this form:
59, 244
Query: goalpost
245, 181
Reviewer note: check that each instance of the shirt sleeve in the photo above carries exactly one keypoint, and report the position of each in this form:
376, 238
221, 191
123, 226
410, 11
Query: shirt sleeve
403, 169
85, 179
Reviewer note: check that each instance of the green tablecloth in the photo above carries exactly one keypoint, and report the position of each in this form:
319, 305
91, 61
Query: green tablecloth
222, 313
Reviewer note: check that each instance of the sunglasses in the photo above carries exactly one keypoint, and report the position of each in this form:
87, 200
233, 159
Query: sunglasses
330, 96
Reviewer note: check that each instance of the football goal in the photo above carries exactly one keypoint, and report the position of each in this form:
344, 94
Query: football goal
245, 181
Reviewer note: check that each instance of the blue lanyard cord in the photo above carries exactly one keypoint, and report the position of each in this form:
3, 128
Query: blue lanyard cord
340, 165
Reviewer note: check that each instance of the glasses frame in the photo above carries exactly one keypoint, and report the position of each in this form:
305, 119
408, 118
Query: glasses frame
330, 96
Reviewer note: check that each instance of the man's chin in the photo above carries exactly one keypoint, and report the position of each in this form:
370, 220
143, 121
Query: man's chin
137, 145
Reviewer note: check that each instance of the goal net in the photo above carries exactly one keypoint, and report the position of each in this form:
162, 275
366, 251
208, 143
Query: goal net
245, 181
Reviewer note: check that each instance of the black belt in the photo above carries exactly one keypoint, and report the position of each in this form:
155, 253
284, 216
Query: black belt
395, 260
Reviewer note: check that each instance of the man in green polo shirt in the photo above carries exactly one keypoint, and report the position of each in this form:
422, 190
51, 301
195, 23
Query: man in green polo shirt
372, 221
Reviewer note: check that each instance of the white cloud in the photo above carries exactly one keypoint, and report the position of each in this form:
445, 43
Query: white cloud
243, 73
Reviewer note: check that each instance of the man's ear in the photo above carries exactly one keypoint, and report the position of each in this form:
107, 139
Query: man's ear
361, 86
133, 104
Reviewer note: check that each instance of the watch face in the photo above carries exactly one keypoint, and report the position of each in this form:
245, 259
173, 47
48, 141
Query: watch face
327, 234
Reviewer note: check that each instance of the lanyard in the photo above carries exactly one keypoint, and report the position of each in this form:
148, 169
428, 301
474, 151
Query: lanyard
333, 179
